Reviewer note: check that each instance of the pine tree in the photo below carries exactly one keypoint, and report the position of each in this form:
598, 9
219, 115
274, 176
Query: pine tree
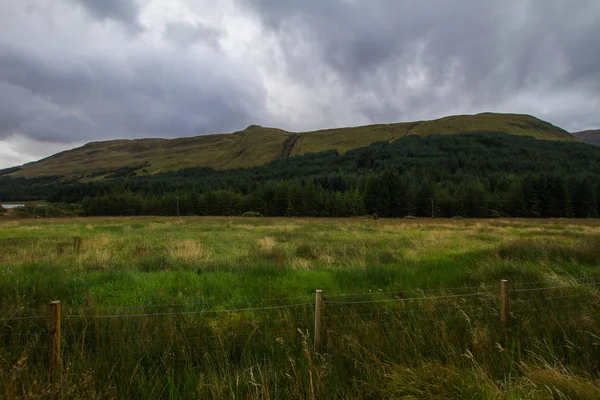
425, 201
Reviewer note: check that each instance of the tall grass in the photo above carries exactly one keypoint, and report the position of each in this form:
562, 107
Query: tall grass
162, 308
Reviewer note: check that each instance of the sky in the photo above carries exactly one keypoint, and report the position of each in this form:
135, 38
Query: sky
75, 71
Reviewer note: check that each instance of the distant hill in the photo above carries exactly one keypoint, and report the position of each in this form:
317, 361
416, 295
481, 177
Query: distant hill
589, 137
257, 145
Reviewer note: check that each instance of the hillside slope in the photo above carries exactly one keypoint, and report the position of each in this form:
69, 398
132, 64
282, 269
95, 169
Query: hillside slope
258, 145
589, 137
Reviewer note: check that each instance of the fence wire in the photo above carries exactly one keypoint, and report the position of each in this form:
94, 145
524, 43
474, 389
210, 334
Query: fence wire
147, 333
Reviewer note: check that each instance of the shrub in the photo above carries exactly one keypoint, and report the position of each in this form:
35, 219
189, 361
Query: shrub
3, 210
252, 214
53, 210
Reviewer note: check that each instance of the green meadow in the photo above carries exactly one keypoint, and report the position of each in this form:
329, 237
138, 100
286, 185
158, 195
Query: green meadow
221, 307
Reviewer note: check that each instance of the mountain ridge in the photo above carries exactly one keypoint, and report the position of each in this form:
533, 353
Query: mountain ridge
591, 136
257, 145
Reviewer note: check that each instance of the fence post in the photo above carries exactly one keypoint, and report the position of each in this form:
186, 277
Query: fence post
54, 335
318, 315
504, 303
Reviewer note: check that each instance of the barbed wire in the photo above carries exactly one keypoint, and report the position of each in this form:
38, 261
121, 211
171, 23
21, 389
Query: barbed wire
434, 319
548, 307
199, 350
17, 334
407, 299
71, 316
37, 317
402, 292
582, 281
555, 287
17, 310
210, 324
576, 280
174, 340
185, 330
397, 312
175, 305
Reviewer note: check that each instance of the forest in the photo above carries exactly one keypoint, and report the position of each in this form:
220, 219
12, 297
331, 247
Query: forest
469, 175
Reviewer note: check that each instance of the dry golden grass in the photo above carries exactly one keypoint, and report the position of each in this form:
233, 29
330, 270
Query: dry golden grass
266, 243
186, 250
97, 253
557, 382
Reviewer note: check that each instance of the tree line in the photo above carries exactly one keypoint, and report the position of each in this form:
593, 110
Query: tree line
468, 175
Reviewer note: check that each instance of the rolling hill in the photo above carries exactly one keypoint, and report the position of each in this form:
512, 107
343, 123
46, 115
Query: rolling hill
589, 137
257, 145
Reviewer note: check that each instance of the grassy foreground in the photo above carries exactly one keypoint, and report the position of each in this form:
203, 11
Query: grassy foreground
222, 308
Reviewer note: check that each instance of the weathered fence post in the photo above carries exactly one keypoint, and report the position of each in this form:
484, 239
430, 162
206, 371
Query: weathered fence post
504, 303
318, 315
54, 335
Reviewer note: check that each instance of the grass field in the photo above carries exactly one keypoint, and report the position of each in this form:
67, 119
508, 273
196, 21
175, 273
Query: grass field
222, 308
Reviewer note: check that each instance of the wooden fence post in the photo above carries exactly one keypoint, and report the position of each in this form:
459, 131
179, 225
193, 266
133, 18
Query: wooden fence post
504, 303
54, 335
318, 315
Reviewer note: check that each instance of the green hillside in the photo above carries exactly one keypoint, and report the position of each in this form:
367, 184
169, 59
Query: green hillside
258, 145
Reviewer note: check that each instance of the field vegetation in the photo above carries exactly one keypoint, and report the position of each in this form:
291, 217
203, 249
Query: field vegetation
223, 308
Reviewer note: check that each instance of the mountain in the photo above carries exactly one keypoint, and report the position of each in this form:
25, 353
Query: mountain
471, 175
589, 137
257, 145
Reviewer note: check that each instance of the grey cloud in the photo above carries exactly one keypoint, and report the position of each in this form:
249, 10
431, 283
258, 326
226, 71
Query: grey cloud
187, 34
346, 61
19, 149
150, 94
125, 11
482, 52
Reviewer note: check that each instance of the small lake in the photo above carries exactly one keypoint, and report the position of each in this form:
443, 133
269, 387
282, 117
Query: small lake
12, 205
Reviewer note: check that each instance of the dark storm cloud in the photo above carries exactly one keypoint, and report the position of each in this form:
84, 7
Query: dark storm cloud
147, 94
417, 57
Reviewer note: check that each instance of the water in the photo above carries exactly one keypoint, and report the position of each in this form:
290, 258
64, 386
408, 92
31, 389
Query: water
12, 205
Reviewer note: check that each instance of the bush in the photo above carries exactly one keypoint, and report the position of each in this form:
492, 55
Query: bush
252, 214
3, 210
52, 210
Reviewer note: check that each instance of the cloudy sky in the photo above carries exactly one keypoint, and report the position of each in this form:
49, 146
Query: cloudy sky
74, 71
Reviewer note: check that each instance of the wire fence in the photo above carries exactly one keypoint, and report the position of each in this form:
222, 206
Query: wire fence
265, 324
